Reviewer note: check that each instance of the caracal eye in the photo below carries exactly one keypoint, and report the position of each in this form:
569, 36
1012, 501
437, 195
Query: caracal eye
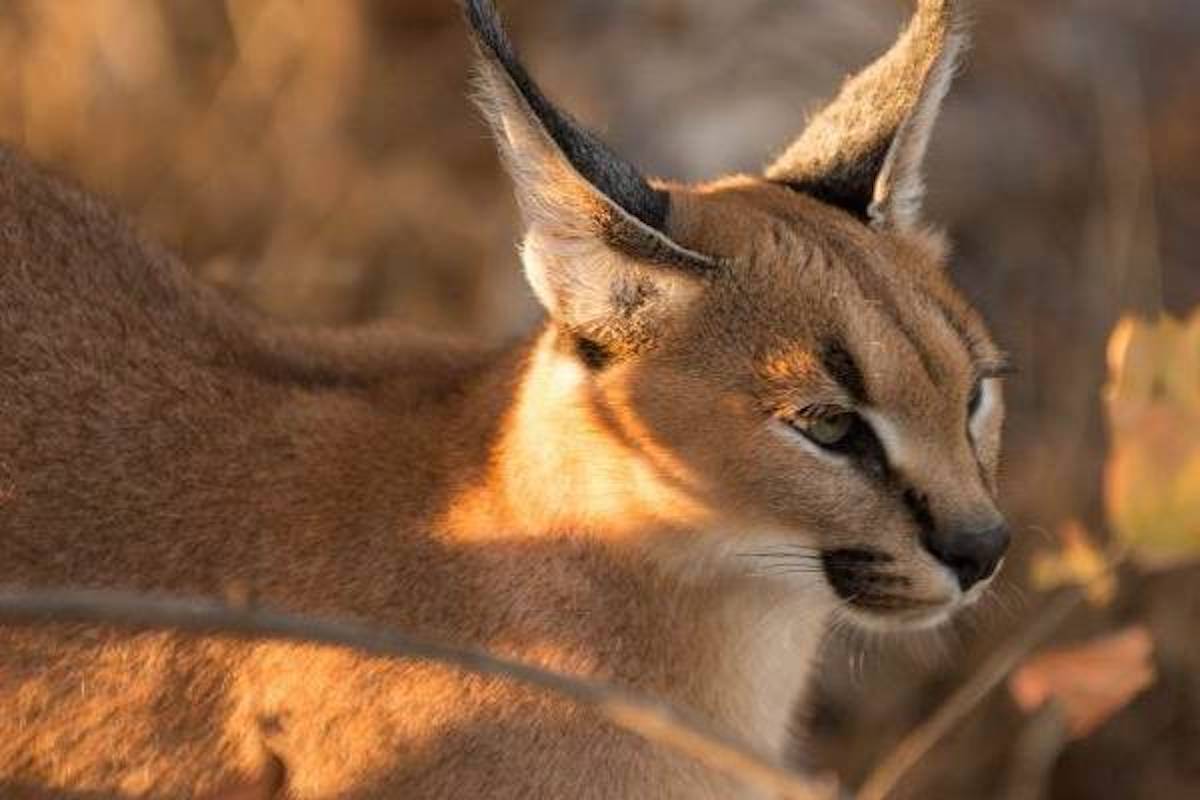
827, 431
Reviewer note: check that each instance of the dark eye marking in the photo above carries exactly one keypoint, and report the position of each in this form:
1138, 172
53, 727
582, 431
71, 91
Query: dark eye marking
918, 508
856, 441
841, 367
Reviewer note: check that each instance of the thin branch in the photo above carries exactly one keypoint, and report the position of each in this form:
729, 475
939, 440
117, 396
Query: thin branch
912, 748
656, 721
922, 739
1038, 747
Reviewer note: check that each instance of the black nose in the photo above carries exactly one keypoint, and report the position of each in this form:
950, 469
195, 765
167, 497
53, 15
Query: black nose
971, 554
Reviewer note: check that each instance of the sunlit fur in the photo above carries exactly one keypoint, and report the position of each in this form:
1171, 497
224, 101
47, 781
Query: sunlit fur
618, 496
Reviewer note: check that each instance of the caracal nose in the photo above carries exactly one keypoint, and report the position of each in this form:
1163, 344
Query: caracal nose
971, 553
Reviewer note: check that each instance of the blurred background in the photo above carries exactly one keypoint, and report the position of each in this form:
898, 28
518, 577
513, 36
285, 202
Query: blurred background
321, 160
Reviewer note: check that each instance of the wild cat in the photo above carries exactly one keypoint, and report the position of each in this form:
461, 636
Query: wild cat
753, 404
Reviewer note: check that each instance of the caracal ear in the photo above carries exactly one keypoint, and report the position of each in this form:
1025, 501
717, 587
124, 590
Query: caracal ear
863, 152
596, 249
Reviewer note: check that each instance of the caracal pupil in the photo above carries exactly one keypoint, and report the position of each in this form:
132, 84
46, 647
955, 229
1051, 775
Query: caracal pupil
755, 404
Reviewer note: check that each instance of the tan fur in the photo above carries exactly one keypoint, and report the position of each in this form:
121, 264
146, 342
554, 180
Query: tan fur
597, 521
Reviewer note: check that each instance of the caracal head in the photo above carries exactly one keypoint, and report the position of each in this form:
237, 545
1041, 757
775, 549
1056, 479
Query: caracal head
790, 340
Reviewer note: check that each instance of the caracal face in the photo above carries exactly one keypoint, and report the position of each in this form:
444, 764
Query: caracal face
784, 354
828, 398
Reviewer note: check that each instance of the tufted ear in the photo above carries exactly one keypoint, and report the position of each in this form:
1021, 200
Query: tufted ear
596, 247
863, 152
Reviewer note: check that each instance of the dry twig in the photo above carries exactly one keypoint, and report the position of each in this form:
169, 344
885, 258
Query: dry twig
919, 742
652, 719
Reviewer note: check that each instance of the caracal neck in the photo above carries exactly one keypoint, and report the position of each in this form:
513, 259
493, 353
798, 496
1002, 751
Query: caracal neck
571, 462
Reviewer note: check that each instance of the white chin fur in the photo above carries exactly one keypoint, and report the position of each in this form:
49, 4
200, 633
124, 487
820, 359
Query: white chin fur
917, 620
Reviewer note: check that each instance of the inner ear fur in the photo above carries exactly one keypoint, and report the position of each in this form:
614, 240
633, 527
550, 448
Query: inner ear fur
863, 152
614, 304
596, 251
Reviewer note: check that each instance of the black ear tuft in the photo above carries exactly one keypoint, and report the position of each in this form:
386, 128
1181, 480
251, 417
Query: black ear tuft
611, 175
595, 230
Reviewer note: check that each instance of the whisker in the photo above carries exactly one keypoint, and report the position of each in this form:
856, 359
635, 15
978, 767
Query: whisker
991, 608
808, 567
930, 649
788, 545
782, 550
1010, 599
1017, 594
792, 571
1046, 535
972, 619
778, 555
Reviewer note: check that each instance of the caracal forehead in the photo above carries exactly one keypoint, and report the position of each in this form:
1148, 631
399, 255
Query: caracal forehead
821, 289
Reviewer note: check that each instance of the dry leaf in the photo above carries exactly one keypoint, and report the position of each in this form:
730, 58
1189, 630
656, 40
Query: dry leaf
1078, 562
1090, 682
1152, 478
